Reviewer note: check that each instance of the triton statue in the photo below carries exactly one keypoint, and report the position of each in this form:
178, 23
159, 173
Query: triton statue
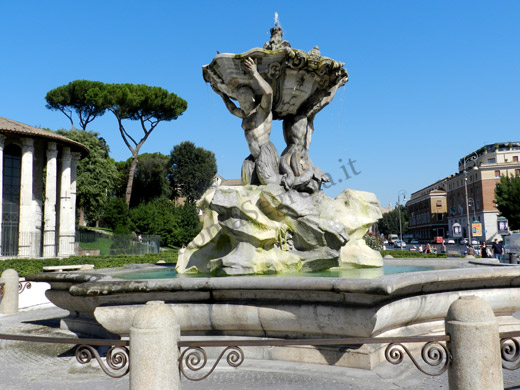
279, 220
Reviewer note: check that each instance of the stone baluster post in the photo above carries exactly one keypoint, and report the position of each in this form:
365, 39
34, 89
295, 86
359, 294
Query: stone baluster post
474, 345
9, 286
154, 352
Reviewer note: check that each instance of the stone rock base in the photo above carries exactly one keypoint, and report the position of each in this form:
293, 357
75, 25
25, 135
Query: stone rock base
267, 229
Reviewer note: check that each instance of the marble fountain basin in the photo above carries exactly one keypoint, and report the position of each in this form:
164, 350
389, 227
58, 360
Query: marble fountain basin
103, 303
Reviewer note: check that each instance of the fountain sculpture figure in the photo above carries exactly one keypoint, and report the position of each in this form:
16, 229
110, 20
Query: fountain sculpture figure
279, 220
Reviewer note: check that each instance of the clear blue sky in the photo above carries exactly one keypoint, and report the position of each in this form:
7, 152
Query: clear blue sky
430, 81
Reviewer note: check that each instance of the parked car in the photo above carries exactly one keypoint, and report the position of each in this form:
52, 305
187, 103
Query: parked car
399, 244
450, 241
438, 240
464, 241
414, 242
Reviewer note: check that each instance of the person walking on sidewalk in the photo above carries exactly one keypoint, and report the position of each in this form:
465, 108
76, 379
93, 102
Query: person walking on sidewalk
484, 250
498, 250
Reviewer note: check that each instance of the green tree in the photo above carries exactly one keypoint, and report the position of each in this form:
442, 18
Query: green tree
85, 98
147, 105
177, 225
389, 224
116, 216
192, 170
150, 180
96, 175
137, 102
507, 200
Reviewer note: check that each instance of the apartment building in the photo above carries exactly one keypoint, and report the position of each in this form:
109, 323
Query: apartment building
478, 174
427, 212
434, 209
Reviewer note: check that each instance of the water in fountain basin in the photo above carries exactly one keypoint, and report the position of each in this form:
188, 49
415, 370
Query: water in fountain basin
350, 273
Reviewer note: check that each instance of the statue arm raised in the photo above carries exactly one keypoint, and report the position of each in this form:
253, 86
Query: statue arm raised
233, 109
327, 98
265, 89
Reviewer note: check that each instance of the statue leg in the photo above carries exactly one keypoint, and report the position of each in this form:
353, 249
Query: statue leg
285, 167
248, 171
267, 164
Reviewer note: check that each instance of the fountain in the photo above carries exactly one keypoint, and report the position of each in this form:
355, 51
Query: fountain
280, 222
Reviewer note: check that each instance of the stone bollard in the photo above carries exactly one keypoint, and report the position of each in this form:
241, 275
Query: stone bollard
9, 303
154, 353
474, 345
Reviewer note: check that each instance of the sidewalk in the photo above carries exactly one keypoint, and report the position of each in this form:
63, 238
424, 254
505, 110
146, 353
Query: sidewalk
35, 366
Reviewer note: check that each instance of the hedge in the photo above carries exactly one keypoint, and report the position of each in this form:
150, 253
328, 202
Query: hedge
30, 266
403, 254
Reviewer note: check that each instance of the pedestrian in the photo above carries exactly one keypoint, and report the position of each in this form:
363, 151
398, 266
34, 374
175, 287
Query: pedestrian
428, 249
443, 248
470, 251
420, 248
498, 250
484, 250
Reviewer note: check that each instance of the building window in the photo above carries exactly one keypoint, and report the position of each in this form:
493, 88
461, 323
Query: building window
517, 172
497, 173
440, 217
515, 158
492, 160
478, 204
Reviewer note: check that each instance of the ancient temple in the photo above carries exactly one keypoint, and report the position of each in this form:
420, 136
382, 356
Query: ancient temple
38, 191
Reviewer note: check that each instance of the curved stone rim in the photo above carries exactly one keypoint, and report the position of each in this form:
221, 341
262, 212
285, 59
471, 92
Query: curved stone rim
106, 282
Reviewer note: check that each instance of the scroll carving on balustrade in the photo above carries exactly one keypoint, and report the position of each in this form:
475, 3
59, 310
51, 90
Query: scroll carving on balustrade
510, 350
195, 359
116, 364
22, 286
435, 357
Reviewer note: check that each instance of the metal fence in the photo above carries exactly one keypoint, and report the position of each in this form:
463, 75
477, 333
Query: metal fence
25, 244
434, 360
29, 244
90, 242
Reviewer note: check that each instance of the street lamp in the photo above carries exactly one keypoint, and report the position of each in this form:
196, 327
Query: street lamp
473, 158
403, 194
472, 205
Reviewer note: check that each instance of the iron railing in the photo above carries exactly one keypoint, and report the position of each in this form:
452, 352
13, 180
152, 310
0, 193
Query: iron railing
117, 357
435, 354
117, 244
32, 245
23, 285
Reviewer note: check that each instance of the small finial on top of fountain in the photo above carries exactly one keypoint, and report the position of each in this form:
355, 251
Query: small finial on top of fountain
276, 42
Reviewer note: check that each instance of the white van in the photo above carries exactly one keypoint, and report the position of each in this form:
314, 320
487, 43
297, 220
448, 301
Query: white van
392, 238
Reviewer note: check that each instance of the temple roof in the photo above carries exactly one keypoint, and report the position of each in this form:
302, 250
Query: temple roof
10, 127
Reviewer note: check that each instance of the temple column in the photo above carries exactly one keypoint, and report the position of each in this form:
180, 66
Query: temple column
66, 235
73, 184
26, 227
2, 141
49, 218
